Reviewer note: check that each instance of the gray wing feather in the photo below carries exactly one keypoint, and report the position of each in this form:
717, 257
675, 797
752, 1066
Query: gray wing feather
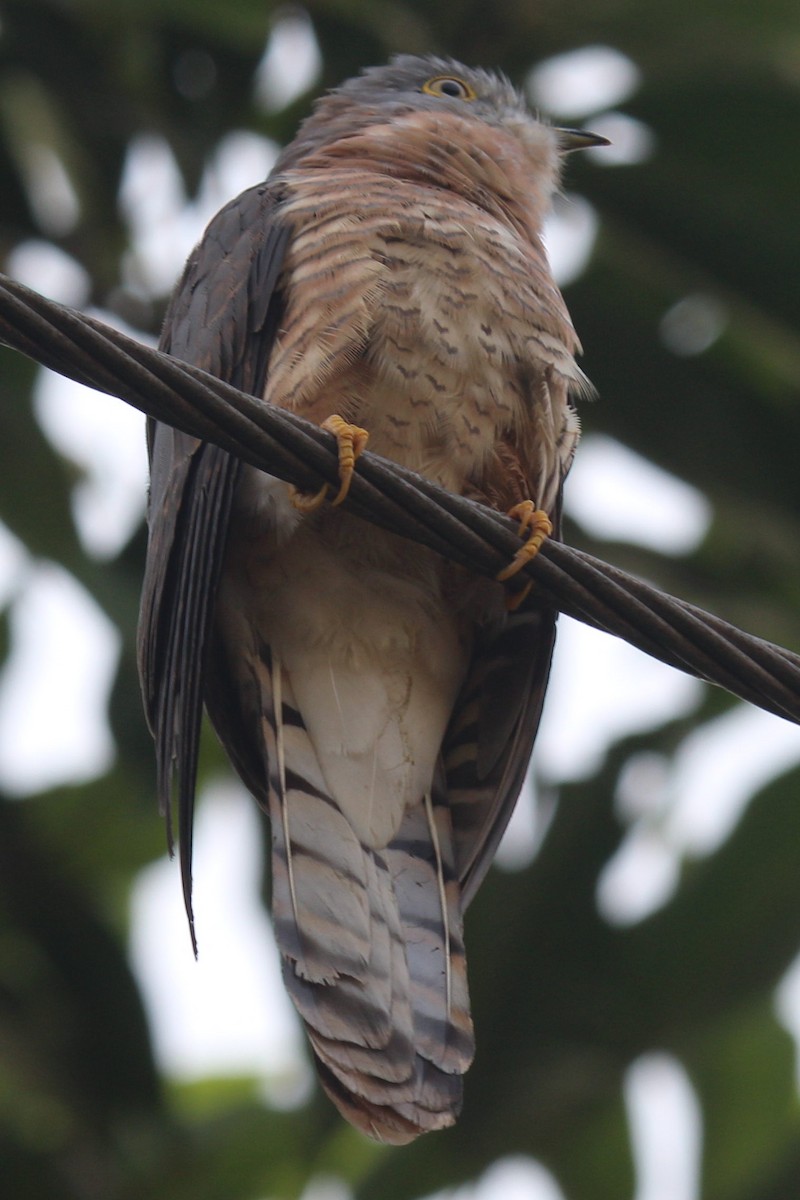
489, 741
223, 318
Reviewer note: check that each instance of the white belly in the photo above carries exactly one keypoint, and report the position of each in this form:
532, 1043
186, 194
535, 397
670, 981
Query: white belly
369, 647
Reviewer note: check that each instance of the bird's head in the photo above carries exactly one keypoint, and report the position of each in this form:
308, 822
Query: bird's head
432, 94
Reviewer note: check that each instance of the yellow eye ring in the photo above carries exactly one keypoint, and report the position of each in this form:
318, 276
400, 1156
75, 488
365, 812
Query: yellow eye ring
450, 86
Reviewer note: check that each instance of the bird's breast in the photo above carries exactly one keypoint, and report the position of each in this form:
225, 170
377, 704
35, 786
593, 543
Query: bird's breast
420, 316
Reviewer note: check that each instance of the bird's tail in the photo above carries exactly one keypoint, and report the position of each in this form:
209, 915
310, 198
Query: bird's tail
371, 943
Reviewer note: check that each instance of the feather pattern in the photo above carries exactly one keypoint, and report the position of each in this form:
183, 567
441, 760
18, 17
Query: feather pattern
380, 705
371, 939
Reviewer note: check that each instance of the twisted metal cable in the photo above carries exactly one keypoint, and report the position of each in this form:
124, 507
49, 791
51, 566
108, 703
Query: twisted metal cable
276, 441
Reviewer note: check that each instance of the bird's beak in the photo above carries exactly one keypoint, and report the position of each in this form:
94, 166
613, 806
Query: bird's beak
579, 139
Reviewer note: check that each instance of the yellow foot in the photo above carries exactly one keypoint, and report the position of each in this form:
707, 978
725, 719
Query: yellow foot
351, 440
539, 526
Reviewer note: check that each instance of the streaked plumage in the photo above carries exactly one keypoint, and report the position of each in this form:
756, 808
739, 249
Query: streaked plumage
380, 704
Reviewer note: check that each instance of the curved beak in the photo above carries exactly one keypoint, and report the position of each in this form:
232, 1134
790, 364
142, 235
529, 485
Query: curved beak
579, 139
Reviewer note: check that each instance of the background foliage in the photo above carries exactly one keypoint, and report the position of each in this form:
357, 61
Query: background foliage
564, 1002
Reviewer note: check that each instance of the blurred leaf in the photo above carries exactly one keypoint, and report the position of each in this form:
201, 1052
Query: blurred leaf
744, 1074
34, 483
564, 1002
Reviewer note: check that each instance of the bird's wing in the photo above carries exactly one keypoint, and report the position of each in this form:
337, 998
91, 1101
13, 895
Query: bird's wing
489, 741
491, 734
223, 318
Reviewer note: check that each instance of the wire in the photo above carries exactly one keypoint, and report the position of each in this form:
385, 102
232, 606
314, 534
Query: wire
465, 532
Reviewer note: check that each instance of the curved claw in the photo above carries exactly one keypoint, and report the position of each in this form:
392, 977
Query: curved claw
307, 502
351, 440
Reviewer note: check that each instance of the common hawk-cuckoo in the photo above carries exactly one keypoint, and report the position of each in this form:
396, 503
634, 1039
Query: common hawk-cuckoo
379, 703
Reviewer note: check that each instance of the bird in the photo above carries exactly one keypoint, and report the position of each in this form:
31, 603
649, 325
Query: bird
388, 280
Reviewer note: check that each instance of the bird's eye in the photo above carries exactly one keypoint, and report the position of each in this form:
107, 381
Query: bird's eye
449, 85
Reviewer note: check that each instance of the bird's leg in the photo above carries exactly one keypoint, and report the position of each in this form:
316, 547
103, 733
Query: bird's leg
351, 440
538, 525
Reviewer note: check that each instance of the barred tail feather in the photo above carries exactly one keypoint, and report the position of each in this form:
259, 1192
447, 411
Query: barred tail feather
371, 940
